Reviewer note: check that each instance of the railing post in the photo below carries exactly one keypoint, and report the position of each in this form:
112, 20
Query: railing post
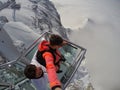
12, 87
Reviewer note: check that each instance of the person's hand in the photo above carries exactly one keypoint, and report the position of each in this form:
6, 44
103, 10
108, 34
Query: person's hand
58, 88
64, 43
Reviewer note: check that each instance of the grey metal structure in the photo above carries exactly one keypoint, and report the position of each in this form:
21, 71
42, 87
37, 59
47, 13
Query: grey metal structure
11, 73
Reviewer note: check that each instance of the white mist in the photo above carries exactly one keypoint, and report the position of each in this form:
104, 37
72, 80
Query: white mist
96, 25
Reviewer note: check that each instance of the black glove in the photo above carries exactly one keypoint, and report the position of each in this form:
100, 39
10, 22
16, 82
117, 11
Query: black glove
62, 58
59, 71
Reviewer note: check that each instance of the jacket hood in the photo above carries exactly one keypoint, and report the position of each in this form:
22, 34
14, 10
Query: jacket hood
43, 45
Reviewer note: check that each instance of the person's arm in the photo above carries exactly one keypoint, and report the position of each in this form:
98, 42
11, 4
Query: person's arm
51, 70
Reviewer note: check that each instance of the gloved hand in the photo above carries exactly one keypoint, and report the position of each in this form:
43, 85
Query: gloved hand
58, 88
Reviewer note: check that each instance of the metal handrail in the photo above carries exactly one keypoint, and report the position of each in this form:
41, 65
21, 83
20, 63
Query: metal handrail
34, 43
23, 53
10, 86
80, 57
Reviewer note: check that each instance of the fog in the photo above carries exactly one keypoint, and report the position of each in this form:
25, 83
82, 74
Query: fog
95, 25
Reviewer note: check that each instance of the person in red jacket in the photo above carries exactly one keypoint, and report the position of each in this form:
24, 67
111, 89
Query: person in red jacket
49, 56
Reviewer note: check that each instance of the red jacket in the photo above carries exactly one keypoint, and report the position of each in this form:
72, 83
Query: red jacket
50, 67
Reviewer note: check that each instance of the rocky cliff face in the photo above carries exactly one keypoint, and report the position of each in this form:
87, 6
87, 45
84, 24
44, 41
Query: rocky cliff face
22, 21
